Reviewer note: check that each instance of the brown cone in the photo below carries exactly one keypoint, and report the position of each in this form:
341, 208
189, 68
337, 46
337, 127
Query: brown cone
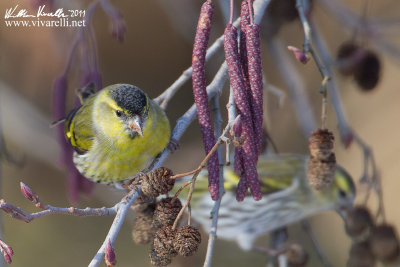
166, 212
384, 242
358, 221
143, 229
296, 255
159, 259
368, 73
157, 182
187, 240
321, 144
322, 163
163, 241
361, 255
346, 57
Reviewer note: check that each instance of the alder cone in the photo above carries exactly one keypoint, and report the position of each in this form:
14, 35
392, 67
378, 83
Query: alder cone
361, 255
321, 144
157, 182
296, 255
321, 173
187, 240
159, 259
164, 241
166, 212
322, 163
384, 242
143, 229
347, 64
358, 221
368, 73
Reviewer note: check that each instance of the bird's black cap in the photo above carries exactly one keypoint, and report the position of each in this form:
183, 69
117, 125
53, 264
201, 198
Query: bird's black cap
130, 98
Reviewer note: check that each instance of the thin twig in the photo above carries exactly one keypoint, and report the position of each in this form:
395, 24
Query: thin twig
346, 133
187, 118
307, 228
294, 83
179, 175
214, 212
166, 96
201, 166
20, 214
181, 188
372, 30
122, 210
309, 49
277, 247
231, 107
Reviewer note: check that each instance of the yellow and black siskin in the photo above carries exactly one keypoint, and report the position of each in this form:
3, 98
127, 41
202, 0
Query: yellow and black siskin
116, 133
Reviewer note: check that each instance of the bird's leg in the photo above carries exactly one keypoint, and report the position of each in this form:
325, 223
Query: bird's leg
173, 145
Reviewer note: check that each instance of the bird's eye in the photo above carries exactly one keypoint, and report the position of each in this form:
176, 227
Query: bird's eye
118, 113
342, 193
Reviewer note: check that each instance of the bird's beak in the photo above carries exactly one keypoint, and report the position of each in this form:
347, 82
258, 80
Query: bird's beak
135, 124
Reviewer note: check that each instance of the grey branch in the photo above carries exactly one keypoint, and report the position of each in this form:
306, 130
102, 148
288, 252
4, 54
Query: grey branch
166, 96
186, 119
295, 85
122, 209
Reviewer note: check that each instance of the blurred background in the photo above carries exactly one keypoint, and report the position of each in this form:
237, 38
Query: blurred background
156, 50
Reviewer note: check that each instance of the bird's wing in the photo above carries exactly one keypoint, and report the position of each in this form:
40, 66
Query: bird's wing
275, 172
78, 128
86, 92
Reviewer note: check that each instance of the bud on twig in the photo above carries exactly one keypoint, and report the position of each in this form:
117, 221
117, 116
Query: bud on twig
299, 54
7, 257
109, 257
7, 251
29, 193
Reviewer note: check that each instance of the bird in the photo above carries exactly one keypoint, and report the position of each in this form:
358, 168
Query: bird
116, 132
287, 198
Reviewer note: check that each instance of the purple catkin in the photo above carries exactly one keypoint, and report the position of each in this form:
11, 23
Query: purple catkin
244, 22
200, 94
242, 103
76, 182
242, 188
256, 81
